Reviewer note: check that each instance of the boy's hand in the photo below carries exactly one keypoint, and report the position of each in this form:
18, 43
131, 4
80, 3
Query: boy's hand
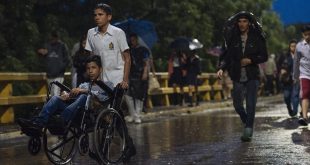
124, 84
74, 92
64, 96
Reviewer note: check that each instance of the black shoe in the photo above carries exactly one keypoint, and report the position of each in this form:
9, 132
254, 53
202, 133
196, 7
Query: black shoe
30, 128
303, 121
25, 123
129, 152
290, 111
247, 135
294, 114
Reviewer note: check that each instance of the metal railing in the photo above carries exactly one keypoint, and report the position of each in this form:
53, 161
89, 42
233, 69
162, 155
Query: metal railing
210, 88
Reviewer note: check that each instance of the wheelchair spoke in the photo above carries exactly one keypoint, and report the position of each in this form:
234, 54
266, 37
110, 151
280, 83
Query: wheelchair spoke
60, 149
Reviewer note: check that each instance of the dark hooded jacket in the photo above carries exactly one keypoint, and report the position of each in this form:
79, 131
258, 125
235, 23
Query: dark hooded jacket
57, 59
255, 49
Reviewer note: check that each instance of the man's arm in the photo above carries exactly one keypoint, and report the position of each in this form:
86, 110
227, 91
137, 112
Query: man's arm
145, 69
127, 60
261, 56
223, 62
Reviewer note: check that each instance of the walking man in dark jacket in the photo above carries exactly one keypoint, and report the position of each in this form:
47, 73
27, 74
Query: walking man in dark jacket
246, 48
56, 60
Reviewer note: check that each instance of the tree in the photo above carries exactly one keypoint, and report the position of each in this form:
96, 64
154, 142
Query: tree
25, 25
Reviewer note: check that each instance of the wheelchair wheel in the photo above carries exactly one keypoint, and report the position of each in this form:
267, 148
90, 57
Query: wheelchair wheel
60, 149
83, 144
109, 136
34, 145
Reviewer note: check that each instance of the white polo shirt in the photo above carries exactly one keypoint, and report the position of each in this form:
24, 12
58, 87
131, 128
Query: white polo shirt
109, 47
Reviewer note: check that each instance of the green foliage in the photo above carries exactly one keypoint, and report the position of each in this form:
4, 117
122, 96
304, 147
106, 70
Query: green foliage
25, 25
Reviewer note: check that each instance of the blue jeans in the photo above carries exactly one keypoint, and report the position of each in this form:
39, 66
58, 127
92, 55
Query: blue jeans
56, 104
247, 90
291, 97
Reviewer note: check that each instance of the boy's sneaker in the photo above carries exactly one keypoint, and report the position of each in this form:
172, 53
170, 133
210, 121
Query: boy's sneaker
29, 128
303, 121
25, 123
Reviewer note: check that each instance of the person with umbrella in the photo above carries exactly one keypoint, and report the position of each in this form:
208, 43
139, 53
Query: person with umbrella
177, 75
193, 70
137, 80
245, 50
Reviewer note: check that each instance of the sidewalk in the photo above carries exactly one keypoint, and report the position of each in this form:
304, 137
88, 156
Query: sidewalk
9, 131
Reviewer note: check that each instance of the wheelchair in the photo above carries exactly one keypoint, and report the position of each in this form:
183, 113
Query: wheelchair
106, 125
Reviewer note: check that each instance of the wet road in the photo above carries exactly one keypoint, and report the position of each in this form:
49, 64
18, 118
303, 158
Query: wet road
207, 137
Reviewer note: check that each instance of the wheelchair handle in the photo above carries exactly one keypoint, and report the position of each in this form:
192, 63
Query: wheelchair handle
103, 86
61, 86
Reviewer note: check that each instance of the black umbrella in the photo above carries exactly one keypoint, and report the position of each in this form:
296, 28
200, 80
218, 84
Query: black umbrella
185, 44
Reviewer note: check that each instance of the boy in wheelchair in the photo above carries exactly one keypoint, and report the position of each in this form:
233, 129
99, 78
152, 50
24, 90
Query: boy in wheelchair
69, 103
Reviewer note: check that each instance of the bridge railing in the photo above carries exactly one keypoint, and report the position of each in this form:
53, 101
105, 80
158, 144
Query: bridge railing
210, 88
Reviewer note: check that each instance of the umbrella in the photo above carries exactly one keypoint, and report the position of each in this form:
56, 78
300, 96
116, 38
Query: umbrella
144, 29
215, 51
230, 25
185, 44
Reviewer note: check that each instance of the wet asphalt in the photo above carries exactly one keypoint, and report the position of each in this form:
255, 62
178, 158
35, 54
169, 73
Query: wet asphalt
209, 136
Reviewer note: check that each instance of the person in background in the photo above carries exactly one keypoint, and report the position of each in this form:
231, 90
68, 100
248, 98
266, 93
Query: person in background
137, 79
177, 75
245, 50
74, 49
270, 72
302, 65
79, 61
290, 89
56, 58
193, 70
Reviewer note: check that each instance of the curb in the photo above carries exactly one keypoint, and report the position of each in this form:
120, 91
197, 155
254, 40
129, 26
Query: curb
228, 104
174, 111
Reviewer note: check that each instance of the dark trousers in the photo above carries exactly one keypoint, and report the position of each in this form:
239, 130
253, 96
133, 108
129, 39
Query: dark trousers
291, 97
269, 84
247, 91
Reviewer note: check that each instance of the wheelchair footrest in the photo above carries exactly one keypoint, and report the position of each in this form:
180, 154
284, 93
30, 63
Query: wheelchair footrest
32, 132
